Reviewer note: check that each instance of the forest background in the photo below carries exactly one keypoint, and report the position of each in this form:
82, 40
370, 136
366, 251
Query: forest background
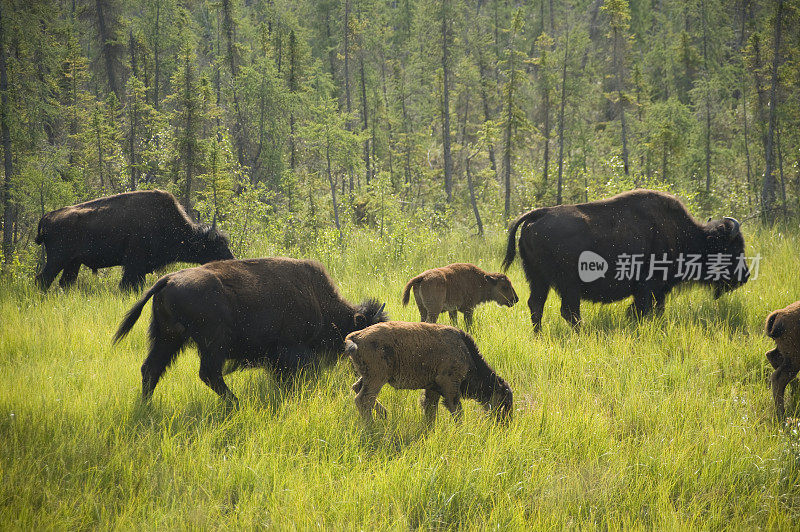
296, 121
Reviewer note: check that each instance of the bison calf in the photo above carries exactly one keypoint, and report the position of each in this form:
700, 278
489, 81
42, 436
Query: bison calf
458, 287
442, 360
783, 326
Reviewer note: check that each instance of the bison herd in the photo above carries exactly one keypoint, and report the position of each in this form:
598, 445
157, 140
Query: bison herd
287, 314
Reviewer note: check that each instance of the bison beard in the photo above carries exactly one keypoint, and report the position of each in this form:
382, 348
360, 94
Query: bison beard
642, 222
278, 312
141, 231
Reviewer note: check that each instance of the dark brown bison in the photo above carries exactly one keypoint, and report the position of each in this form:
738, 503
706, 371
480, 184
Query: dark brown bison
647, 236
783, 326
458, 287
442, 360
141, 231
278, 312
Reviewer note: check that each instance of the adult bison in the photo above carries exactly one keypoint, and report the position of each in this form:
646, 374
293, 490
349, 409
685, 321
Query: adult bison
141, 231
279, 312
647, 236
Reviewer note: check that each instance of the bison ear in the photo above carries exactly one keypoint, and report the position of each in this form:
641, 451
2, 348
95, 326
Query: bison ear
490, 279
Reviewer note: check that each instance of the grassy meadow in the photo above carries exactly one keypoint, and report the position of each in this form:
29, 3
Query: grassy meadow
668, 423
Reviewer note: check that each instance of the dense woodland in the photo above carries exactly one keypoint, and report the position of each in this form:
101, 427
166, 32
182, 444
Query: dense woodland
300, 120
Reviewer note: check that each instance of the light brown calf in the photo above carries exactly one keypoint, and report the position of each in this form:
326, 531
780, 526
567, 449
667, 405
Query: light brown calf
783, 326
442, 360
457, 288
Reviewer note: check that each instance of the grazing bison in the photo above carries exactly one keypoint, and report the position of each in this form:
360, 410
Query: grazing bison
141, 231
647, 236
442, 360
783, 326
458, 287
279, 312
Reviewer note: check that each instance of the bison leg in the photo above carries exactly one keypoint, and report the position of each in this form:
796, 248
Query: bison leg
571, 307
69, 275
451, 393
453, 317
643, 303
132, 280
48, 274
536, 303
468, 318
162, 353
429, 401
366, 399
780, 378
211, 362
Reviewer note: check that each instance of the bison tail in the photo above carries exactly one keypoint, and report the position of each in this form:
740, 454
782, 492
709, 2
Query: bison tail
136, 311
39, 232
407, 289
511, 246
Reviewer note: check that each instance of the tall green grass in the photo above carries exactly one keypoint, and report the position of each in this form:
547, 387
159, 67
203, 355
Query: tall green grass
667, 423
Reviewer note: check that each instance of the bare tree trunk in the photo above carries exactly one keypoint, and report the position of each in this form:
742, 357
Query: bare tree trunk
333, 188
486, 113
708, 98
769, 185
472, 199
364, 112
346, 74
780, 169
106, 47
448, 161
9, 210
156, 56
561, 118
621, 101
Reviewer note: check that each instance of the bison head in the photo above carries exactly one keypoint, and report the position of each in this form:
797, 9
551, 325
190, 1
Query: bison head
369, 313
725, 238
501, 289
209, 244
501, 400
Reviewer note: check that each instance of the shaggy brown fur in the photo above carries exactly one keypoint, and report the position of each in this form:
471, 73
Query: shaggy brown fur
279, 312
645, 223
458, 288
783, 326
141, 231
442, 360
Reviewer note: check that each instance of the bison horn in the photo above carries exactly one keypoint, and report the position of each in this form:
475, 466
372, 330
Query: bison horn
737, 227
382, 307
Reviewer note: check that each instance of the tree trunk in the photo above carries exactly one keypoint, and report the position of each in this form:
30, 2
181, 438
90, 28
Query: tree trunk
106, 48
561, 118
486, 113
333, 187
346, 46
364, 112
156, 57
448, 161
708, 98
472, 199
9, 210
769, 185
620, 101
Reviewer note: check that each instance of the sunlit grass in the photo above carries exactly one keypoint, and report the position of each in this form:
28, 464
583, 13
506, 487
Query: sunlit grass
665, 423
